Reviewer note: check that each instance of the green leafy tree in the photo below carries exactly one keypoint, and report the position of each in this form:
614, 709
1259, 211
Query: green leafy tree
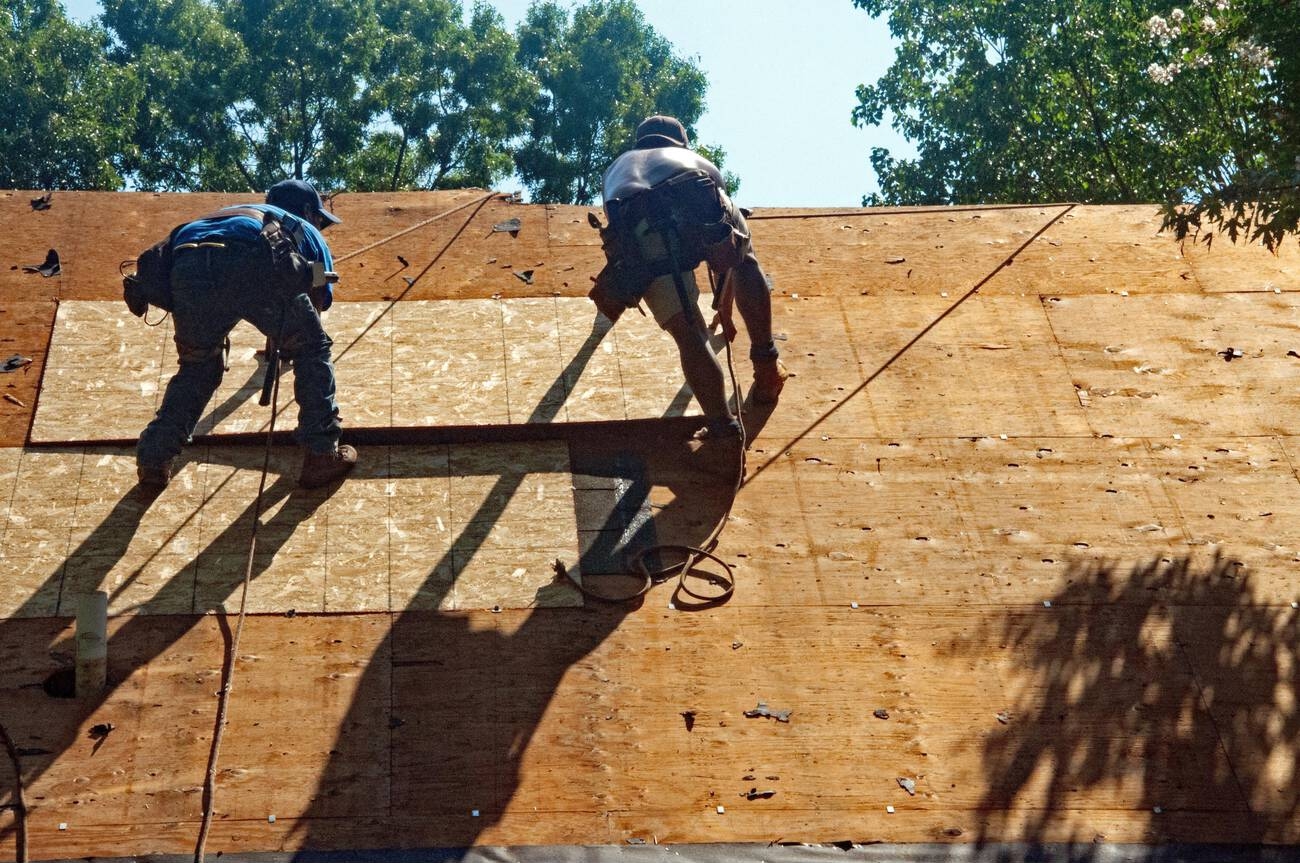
718, 156
64, 110
301, 109
186, 61
600, 73
1254, 193
1041, 100
451, 97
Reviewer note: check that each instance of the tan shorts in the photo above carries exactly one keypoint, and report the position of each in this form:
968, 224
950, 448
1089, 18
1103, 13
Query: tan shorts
662, 300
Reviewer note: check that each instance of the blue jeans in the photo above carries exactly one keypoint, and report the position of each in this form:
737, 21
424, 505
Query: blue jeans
213, 290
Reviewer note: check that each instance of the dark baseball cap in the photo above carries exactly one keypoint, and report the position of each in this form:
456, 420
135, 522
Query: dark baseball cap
299, 197
661, 131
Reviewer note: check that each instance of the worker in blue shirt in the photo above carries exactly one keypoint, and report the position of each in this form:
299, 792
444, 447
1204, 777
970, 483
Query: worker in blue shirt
223, 271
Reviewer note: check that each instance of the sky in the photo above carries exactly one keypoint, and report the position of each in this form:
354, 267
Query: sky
782, 75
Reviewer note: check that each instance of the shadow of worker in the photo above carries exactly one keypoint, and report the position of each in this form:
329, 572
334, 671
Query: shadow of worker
1167, 690
42, 716
467, 700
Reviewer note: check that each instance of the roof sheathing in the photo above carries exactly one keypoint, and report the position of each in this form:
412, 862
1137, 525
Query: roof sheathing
1053, 538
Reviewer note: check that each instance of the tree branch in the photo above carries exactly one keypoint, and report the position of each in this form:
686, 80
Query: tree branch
1099, 132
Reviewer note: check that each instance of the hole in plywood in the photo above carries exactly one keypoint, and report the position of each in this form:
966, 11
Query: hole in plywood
61, 684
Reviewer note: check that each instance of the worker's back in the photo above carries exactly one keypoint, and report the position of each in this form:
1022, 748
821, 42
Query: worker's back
644, 168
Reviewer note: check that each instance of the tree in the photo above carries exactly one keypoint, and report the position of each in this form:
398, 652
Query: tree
718, 156
1041, 100
301, 109
64, 110
186, 61
451, 99
1256, 193
600, 73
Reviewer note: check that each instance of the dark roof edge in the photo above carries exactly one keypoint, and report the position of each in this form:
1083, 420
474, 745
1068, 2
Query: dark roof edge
761, 853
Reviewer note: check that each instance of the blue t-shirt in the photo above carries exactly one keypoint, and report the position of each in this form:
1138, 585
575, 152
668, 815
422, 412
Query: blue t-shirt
311, 245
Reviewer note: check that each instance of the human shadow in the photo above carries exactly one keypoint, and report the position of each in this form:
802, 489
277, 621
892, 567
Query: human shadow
1167, 689
46, 729
462, 695
246, 392
109, 540
489, 685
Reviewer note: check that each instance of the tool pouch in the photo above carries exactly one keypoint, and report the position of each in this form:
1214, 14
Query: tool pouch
672, 227
722, 245
291, 273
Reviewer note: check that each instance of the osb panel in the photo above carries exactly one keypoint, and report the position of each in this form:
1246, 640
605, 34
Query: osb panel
559, 739
1099, 250
465, 526
1244, 266
1244, 653
162, 677
883, 254
1164, 365
568, 225
1042, 511
808, 252
753, 826
1021, 520
457, 255
24, 332
94, 231
414, 363
920, 367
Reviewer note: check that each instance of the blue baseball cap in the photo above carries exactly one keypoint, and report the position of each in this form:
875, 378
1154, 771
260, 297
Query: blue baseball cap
299, 197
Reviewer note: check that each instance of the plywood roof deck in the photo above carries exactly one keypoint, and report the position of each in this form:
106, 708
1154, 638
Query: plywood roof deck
1045, 527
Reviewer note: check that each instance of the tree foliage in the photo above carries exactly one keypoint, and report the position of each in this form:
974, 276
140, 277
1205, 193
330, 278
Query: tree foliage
64, 110
1048, 100
301, 109
186, 61
1256, 194
219, 95
451, 98
601, 72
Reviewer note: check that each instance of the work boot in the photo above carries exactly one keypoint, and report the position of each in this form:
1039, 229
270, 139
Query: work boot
716, 448
154, 477
322, 468
769, 379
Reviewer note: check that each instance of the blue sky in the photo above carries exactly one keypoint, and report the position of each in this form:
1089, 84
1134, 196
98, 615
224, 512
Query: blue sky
781, 76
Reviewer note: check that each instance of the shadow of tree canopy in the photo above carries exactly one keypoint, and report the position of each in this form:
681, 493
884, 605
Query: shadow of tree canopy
1164, 693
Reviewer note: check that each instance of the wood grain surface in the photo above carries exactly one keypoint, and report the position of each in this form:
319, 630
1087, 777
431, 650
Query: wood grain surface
1020, 532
